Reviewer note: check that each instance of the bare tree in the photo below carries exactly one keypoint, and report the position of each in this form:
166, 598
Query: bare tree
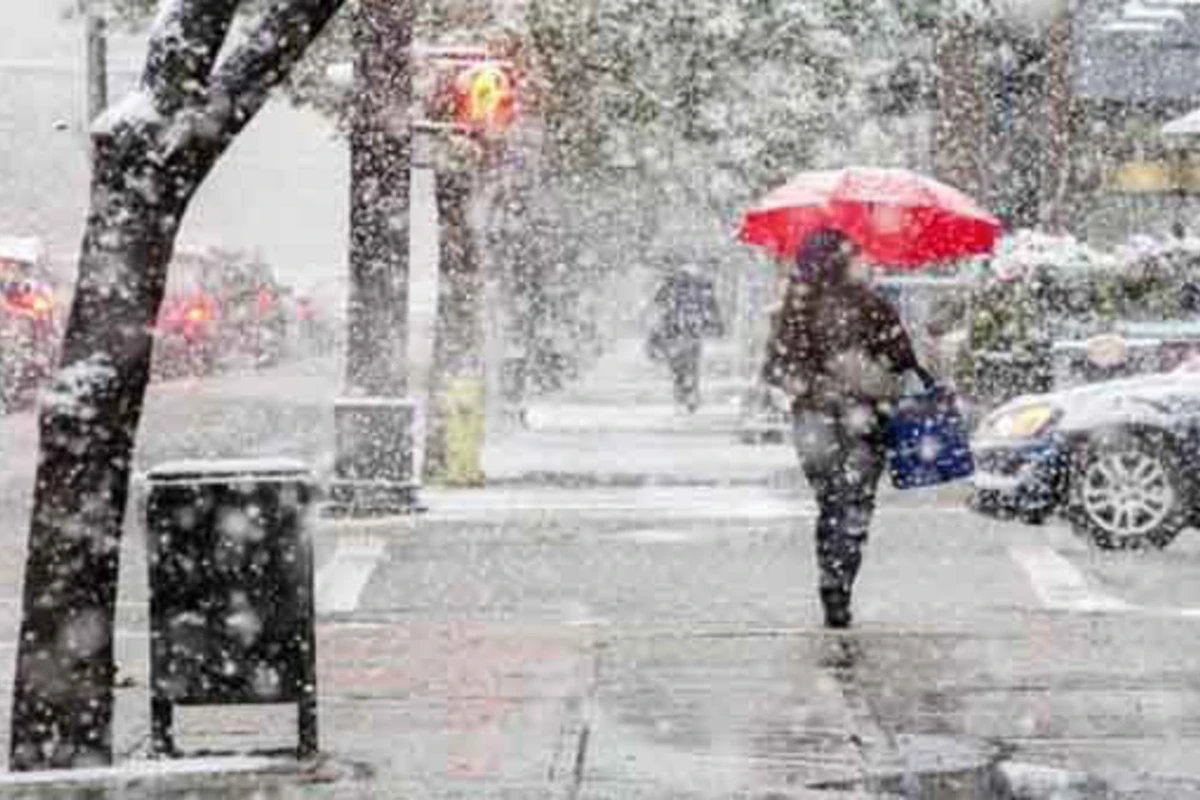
151, 152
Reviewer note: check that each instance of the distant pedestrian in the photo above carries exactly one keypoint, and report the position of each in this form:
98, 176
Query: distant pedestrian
687, 310
839, 350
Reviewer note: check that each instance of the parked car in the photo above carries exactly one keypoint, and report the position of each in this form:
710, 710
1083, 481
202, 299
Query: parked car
1054, 313
30, 314
29, 334
1117, 458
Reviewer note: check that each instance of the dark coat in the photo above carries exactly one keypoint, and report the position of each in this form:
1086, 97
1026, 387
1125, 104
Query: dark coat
835, 344
688, 309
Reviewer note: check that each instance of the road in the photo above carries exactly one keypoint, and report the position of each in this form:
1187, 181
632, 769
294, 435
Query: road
652, 641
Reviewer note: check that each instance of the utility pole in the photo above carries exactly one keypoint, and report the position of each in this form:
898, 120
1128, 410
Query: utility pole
373, 469
472, 108
456, 393
96, 31
380, 186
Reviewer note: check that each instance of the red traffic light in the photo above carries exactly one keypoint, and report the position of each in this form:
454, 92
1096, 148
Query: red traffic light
485, 97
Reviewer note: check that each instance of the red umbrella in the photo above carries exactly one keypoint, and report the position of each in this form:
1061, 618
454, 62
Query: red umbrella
899, 218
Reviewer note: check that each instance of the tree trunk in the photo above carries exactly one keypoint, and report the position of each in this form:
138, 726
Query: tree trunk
380, 188
961, 141
458, 333
1059, 104
149, 156
62, 698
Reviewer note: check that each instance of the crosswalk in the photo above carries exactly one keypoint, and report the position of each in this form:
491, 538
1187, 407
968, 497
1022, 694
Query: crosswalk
1055, 582
1061, 586
339, 583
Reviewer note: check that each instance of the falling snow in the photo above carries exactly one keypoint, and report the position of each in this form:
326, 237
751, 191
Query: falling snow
535, 401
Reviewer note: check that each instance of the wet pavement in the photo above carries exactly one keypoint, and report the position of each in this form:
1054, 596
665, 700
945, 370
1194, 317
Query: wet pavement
661, 641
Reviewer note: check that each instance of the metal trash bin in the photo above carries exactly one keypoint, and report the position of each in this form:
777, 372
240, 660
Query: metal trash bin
231, 590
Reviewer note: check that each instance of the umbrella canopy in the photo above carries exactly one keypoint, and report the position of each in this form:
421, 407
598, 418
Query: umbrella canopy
899, 218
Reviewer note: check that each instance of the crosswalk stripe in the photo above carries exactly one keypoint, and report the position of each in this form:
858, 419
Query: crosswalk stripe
340, 582
1060, 585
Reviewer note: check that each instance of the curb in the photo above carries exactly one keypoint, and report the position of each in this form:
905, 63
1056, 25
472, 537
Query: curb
1024, 781
231, 777
1021, 781
598, 480
789, 479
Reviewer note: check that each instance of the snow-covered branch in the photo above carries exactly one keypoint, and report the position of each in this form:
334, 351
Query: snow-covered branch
185, 40
190, 95
272, 44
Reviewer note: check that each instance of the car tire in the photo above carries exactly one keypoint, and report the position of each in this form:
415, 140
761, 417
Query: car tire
1038, 517
1127, 491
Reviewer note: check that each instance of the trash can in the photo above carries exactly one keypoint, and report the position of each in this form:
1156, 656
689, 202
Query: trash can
231, 590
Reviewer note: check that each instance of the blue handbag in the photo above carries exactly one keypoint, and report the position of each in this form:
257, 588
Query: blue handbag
927, 439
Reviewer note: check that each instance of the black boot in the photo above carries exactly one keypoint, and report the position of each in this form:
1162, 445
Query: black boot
836, 601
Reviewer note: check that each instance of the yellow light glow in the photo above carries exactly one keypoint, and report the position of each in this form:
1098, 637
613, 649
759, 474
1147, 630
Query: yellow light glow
197, 314
42, 304
486, 97
1024, 423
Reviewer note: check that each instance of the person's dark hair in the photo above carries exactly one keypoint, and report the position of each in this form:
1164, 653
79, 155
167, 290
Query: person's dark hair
824, 257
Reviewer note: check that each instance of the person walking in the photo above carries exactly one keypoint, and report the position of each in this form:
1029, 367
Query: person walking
687, 313
840, 351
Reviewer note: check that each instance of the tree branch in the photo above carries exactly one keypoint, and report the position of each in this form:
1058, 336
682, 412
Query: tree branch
184, 44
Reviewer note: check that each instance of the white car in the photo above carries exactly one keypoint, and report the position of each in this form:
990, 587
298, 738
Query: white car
1118, 458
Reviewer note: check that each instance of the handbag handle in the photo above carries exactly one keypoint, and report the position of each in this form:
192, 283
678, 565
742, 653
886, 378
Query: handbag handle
927, 378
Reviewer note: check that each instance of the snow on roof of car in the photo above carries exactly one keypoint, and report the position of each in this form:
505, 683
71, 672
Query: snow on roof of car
21, 248
1025, 250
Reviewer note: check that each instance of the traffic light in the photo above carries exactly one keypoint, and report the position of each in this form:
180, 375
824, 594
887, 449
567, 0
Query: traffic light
468, 91
485, 98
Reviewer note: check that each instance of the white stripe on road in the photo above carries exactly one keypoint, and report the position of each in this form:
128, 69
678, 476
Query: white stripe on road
1060, 585
657, 536
340, 583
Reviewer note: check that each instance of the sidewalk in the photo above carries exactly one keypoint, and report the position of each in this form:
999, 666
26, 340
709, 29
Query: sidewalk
626, 611
619, 427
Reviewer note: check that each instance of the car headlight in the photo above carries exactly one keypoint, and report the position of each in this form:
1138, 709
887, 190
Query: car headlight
1025, 422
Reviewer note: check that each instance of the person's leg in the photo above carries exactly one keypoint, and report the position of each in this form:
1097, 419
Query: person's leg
861, 467
843, 470
819, 445
691, 359
679, 379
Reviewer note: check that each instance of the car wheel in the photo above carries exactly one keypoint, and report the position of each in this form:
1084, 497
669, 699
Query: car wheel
1038, 517
1127, 492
